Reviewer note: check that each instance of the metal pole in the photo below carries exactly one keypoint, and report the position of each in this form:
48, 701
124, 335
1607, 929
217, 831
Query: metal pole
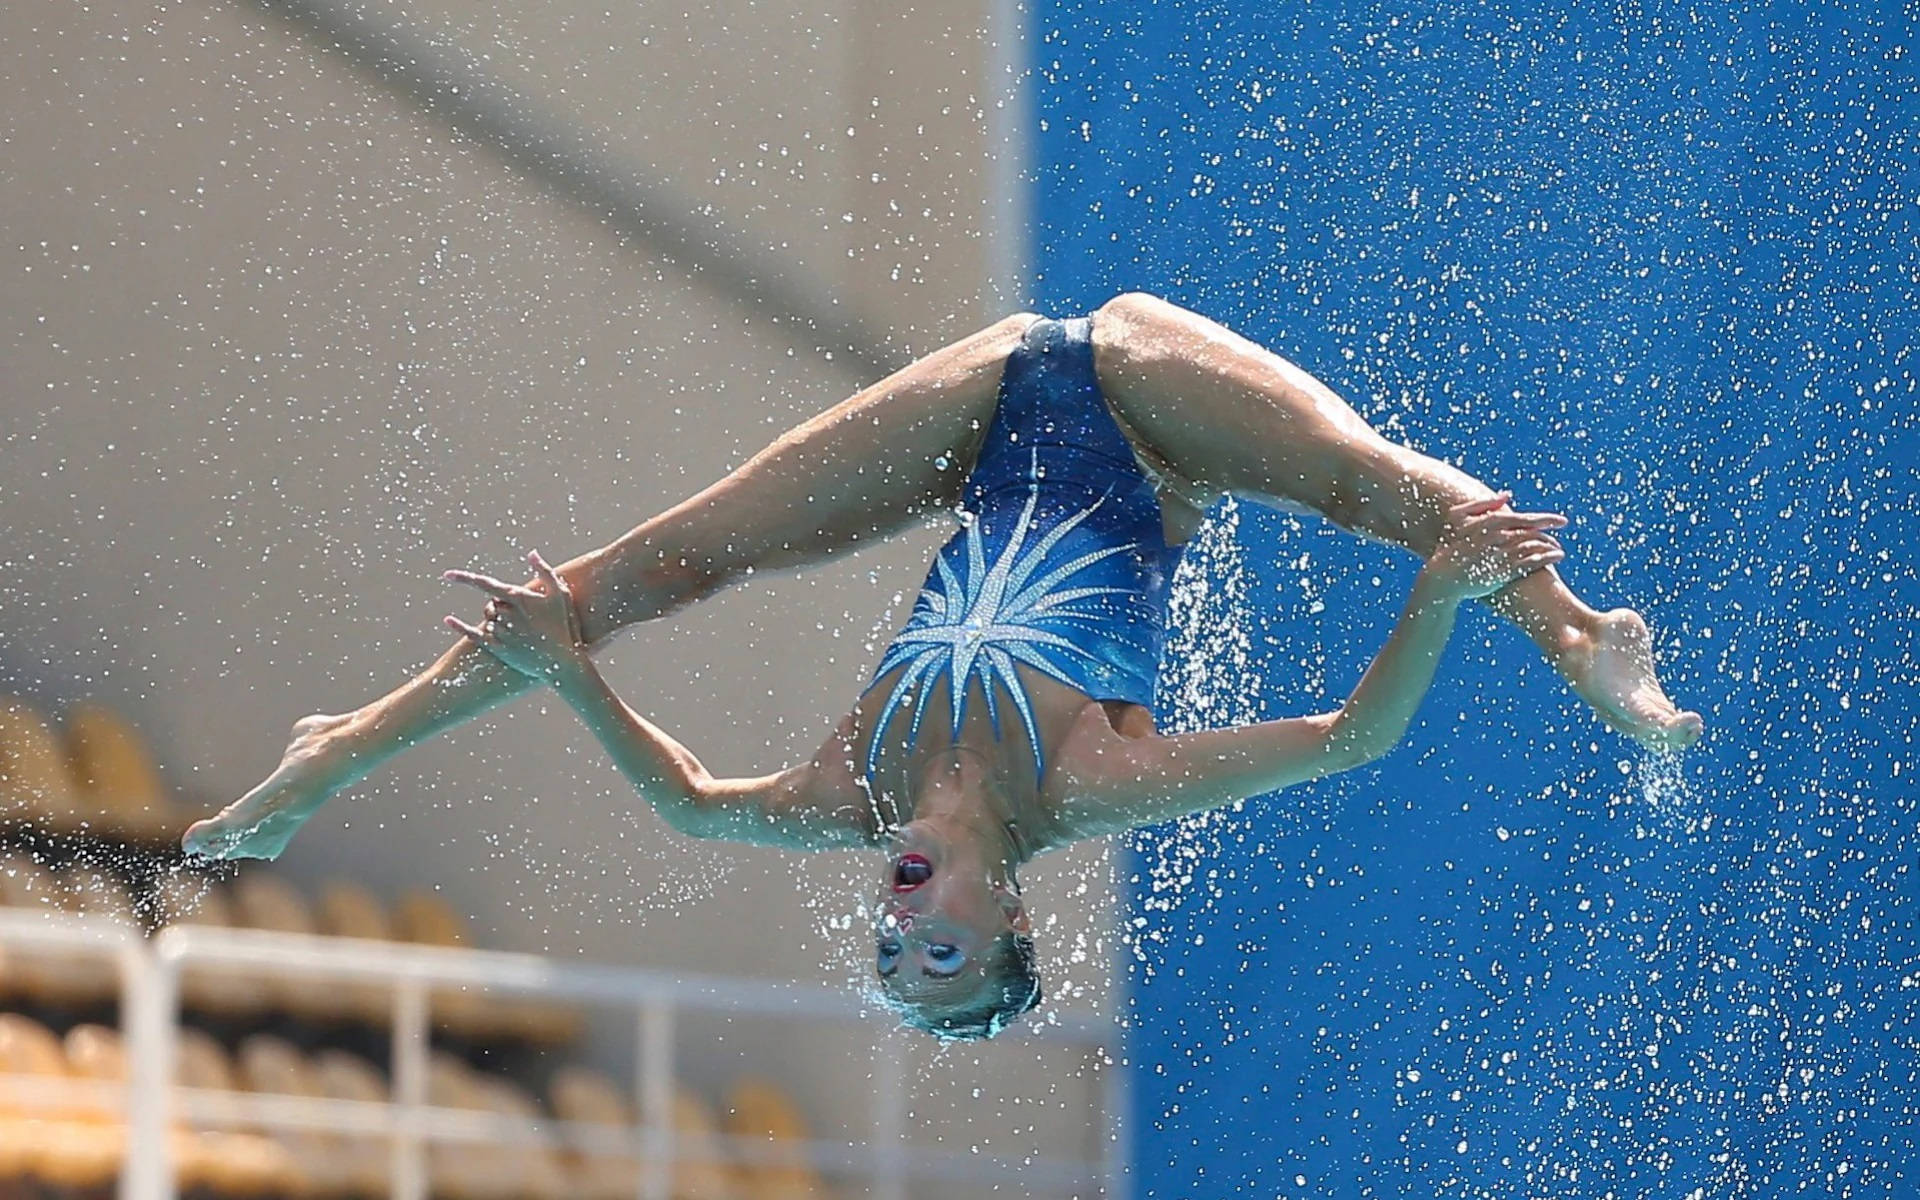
655, 1071
407, 1162
1118, 1152
889, 1124
150, 1006
150, 993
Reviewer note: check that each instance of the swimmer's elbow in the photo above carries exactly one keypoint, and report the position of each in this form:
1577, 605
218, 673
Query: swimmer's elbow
693, 807
781, 809
1351, 740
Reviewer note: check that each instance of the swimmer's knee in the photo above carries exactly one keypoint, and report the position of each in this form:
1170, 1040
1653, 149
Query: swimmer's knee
1138, 310
1135, 327
1125, 302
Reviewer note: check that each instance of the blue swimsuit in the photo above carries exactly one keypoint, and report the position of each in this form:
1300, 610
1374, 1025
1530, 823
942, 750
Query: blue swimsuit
1060, 562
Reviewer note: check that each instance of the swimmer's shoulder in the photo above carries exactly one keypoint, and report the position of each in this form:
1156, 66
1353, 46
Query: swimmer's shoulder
1100, 728
832, 781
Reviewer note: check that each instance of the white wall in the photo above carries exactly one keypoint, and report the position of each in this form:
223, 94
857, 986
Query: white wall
278, 349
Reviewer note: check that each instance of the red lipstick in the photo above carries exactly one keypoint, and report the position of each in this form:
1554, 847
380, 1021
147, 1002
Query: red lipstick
910, 871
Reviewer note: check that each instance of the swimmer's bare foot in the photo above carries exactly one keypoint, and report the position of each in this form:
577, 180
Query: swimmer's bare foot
319, 761
1611, 667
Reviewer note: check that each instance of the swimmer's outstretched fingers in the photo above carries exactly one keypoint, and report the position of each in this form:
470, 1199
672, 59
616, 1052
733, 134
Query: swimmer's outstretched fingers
535, 632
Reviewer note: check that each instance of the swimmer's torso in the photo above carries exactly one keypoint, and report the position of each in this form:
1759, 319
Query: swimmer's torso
1050, 597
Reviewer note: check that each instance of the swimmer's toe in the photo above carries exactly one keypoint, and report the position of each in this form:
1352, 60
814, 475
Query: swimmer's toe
216, 839
1685, 730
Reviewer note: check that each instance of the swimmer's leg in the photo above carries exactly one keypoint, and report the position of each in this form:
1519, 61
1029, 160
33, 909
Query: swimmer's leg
1221, 414
860, 471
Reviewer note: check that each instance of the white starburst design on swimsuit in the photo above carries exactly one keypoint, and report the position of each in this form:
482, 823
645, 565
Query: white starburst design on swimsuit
980, 621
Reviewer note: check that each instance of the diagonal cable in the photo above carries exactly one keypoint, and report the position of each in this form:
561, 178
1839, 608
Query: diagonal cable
448, 83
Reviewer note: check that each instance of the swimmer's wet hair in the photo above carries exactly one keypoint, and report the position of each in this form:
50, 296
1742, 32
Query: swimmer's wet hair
1012, 988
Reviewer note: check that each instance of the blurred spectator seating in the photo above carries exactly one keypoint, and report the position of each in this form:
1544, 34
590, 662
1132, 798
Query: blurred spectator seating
44, 976
505, 1170
475, 1014
701, 1170
115, 780
772, 1134
98, 780
349, 910
36, 783
194, 898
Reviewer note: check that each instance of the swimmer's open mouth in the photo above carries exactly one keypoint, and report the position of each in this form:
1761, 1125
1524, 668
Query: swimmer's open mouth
911, 871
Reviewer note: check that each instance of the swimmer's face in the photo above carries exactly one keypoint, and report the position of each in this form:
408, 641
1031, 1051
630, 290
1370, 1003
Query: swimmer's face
938, 918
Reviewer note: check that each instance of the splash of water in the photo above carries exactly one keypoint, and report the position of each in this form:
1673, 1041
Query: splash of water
1210, 679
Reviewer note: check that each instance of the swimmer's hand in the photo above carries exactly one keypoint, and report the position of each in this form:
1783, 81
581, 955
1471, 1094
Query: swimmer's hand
1487, 545
535, 632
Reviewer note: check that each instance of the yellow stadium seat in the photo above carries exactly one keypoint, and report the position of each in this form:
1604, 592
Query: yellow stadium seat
584, 1096
463, 1170
59, 1142
238, 1164
264, 900
36, 785
94, 1053
114, 775
761, 1113
760, 1108
529, 1170
349, 910
17, 1139
79, 1155
520, 1018
426, 919
200, 1061
451, 1083
30, 1049
701, 1171
228, 1161
345, 1076
273, 1066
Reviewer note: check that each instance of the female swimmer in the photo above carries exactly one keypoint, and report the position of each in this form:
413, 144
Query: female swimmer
1010, 716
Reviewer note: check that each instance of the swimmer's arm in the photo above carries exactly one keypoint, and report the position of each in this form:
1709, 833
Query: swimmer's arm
1108, 782
798, 808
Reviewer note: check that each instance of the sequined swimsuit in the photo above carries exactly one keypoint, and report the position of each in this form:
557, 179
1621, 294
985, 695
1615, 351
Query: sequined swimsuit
1060, 562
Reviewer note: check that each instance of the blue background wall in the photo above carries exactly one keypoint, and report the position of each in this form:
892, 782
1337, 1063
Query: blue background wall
1652, 264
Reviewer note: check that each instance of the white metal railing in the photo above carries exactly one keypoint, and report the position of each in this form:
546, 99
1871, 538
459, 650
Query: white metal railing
150, 974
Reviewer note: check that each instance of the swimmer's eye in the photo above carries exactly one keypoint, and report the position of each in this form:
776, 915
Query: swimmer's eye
889, 956
946, 959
